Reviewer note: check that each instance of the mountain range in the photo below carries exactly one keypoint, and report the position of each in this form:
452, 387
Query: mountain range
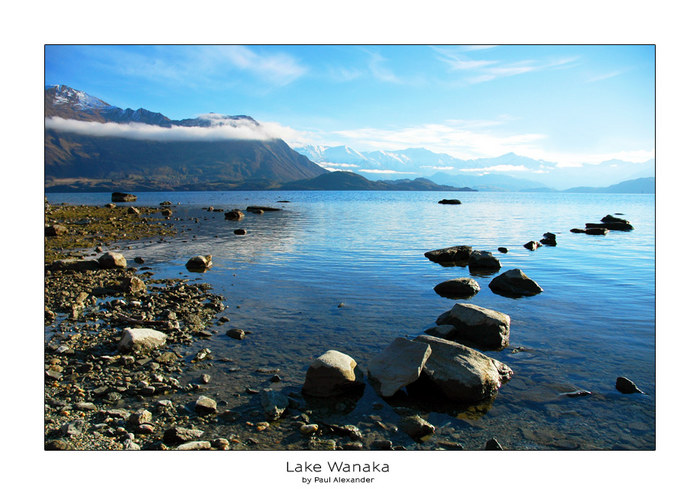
90, 145
508, 172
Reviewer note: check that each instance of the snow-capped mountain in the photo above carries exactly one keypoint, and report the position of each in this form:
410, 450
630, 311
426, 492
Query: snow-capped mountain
509, 172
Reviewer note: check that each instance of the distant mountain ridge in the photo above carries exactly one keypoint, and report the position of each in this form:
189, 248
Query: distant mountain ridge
508, 172
349, 181
83, 160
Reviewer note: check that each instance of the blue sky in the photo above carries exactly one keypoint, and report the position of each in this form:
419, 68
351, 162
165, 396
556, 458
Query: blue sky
570, 104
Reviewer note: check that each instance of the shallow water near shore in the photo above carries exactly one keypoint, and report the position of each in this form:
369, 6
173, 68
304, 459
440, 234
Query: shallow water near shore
346, 271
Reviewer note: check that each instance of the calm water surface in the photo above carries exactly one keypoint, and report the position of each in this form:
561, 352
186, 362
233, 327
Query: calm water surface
285, 279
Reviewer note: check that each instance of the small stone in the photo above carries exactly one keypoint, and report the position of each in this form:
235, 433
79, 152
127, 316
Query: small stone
274, 404
416, 427
309, 429
220, 444
205, 405
195, 445
240, 232
236, 333
179, 435
141, 416
502, 250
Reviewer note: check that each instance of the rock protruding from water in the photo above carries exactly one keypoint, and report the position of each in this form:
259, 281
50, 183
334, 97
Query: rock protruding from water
458, 288
485, 328
240, 231
199, 263
483, 261
331, 374
398, 365
141, 340
120, 197
460, 373
450, 202
626, 386
234, 215
416, 427
263, 208
112, 260
450, 254
274, 404
514, 283
616, 223
596, 230
532, 245
549, 239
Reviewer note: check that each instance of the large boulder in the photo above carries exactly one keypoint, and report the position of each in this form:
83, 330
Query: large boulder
450, 254
398, 365
458, 288
481, 327
112, 260
141, 340
199, 263
331, 374
460, 373
483, 261
514, 283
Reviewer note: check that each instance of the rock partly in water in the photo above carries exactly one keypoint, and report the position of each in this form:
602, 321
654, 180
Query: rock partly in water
459, 288
274, 404
596, 231
141, 340
482, 327
626, 386
234, 215
460, 373
112, 260
416, 427
514, 283
331, 374
442, 331
549, 239
450, 202
120, 197
240, 232
236, 333
199, 263
578, 231
483, 261
492, 444
502, 250
398, 365
616, 223
450, 254
263, 208
532, 245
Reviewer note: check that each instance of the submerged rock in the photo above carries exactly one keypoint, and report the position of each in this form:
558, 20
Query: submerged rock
263, 208
450, 254
416, 427
460, 373
398, 365
141, 340
458, 288
514, 283
485, 328
274, 404
331, 374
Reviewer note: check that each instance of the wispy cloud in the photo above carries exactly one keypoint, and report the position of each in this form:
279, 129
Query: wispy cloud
220, 130
379, 70
602, 77
482, 70
278, 68
383, 171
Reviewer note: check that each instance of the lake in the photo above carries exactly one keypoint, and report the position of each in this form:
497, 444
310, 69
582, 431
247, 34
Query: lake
347, 271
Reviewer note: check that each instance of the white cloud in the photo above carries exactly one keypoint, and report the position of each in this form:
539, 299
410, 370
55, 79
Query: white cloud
431, 167
383, 171
223, 130
334, 164
498, 168
278, 68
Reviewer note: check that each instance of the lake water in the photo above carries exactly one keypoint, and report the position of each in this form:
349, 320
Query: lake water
286, 279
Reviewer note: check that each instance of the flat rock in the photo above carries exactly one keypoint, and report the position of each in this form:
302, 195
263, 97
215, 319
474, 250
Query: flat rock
485, 328
178, 435
112, 260
141, 340
596, 231
398, 365
450, 202
120, 197
514, 283
450, 254
462, 374
331, 374
458, 287
195, 445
